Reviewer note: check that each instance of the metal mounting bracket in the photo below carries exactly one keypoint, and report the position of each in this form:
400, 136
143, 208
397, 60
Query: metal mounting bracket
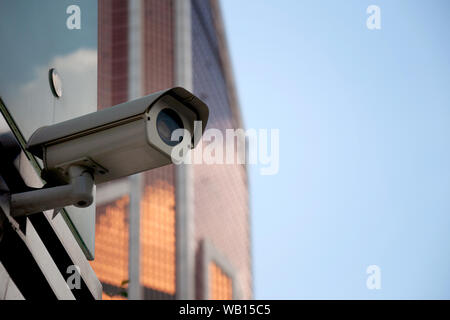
78, 192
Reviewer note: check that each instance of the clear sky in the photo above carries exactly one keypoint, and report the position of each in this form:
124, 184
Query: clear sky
364, 119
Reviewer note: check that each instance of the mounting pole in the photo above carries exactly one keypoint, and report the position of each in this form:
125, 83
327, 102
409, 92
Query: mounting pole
135, 85
79, 192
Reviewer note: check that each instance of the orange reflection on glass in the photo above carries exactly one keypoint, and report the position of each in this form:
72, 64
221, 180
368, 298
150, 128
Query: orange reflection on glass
220, 285
107, 297
158, 237
111, 238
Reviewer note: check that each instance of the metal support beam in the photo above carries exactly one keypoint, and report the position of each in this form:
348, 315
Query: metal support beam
135, 10
185, 263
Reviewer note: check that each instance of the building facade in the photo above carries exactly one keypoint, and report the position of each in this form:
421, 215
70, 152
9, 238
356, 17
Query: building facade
178, 232
194, 220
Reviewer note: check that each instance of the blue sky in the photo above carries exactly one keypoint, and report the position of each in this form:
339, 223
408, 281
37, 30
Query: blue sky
32, 20
364, 119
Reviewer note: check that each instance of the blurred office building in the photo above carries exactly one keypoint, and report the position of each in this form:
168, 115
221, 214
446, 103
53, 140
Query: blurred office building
178, 232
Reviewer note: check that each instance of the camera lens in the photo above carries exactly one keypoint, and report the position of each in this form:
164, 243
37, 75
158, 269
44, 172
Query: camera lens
166, 123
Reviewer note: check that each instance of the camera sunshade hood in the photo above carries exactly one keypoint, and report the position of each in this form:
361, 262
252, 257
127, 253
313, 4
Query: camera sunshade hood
111, 117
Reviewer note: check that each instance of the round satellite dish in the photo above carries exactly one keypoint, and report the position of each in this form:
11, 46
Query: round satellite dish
55, 83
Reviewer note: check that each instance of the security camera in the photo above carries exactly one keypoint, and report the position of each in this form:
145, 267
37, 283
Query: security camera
123, 140
112, 143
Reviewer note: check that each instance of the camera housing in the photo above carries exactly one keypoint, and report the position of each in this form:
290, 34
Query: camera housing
122, 140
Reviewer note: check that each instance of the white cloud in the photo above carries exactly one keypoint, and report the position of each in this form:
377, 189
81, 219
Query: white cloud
33, 104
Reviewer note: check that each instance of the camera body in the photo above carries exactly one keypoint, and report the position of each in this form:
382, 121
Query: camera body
122, 140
